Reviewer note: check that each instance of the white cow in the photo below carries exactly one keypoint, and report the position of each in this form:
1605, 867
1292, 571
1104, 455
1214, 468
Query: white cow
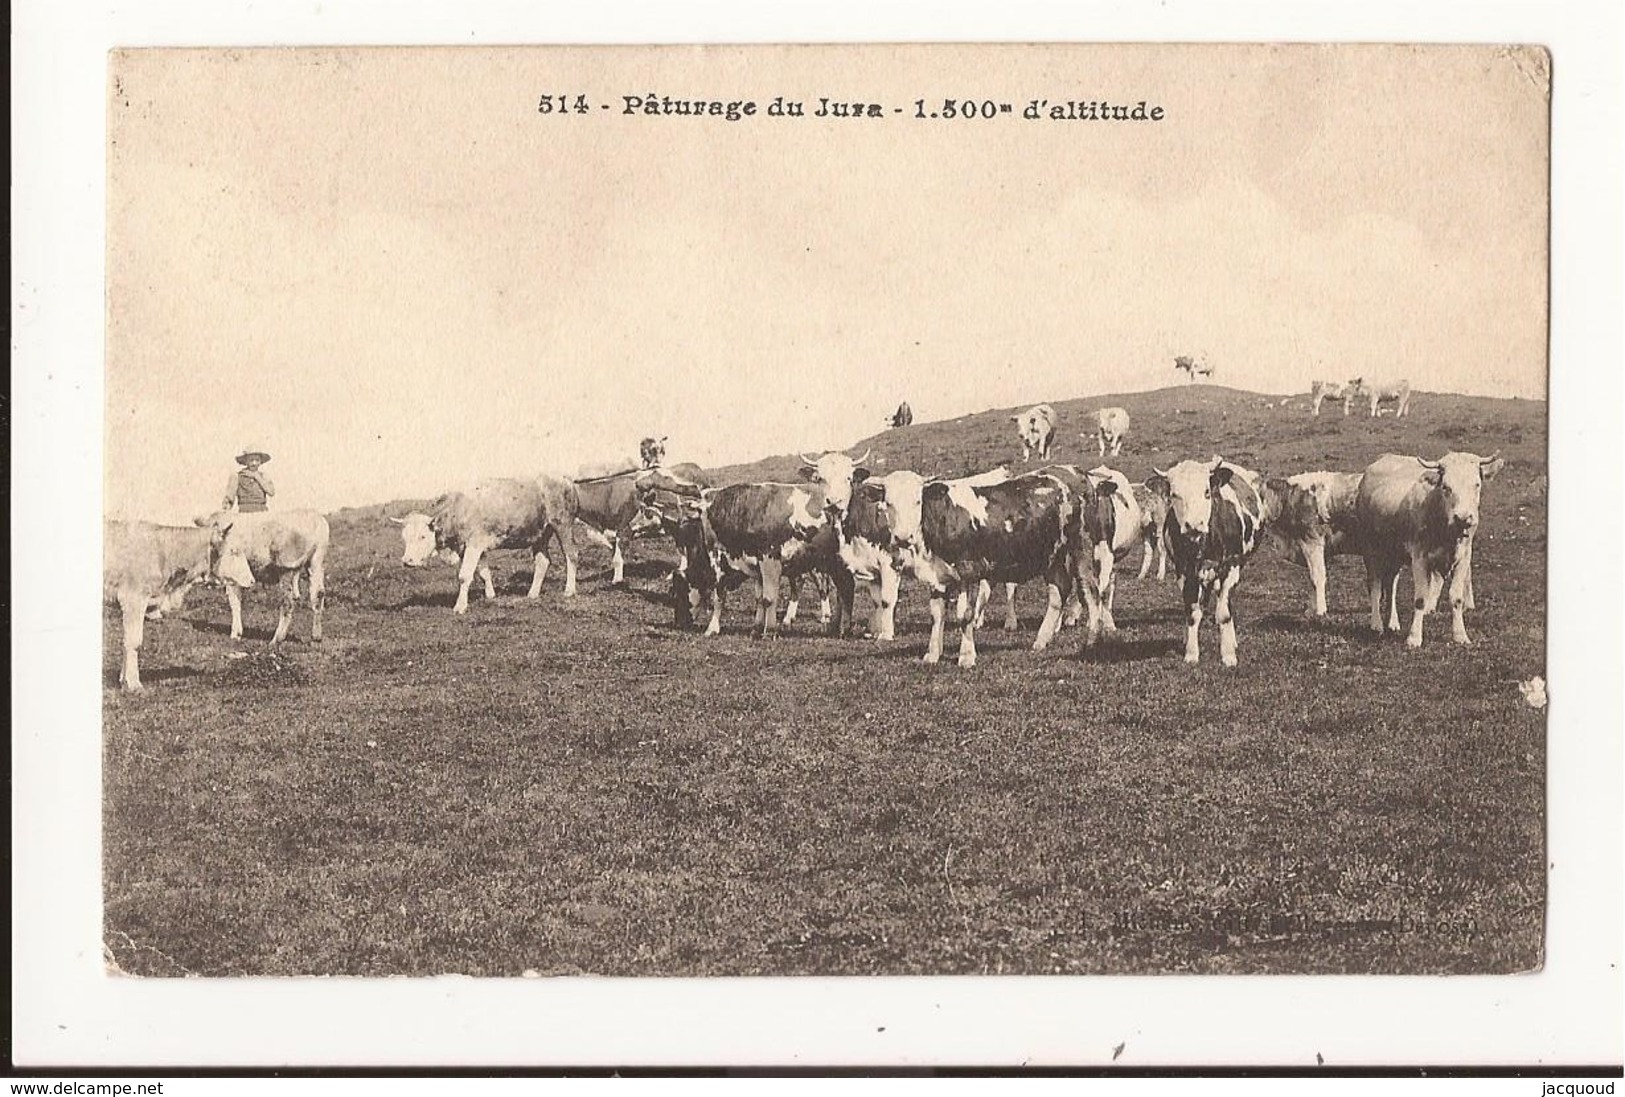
280, 546
1036, 427
146, 565
1426, 512
1376, 392
1113, 429
1320, 391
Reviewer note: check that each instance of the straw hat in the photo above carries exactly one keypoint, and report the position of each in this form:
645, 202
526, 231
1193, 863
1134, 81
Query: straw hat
252, 451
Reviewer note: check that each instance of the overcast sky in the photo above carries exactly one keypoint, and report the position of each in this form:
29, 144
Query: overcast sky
388, 270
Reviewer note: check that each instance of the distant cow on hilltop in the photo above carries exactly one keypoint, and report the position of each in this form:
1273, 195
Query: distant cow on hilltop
1193, 367
1036, 427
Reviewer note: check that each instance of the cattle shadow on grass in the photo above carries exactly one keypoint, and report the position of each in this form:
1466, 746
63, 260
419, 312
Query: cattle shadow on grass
223, 628
1122, 649
149, 675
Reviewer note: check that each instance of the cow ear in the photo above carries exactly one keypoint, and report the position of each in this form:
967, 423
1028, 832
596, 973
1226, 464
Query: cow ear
1106, 486
1158, 485
1221, 476
1492, 465
809, 472
860, 474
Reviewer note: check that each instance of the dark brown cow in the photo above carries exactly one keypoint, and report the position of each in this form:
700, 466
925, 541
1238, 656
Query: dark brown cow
607, 508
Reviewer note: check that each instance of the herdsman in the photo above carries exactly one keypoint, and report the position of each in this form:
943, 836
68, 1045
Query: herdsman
250, 490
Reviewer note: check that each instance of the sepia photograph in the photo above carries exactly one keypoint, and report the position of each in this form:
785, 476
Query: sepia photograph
872, 538
861, 510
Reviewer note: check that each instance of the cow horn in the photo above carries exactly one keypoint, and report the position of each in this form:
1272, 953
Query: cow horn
807, 460
1159, 472
1491, 459
397, 521
1431, 466
865, 456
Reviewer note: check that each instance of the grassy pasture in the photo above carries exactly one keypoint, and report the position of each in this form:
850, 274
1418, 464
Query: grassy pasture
574, 787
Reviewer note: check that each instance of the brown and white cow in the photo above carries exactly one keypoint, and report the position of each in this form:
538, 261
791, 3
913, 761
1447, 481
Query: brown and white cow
145, 565
1011, 531
1036, 428
1112, 429
1112, 525
1153, 513
496, 514
1321, 391
1193, 366
882, 526
770, 531
1426, 513
1216, 518
1377, 392
1313, 518
282, 546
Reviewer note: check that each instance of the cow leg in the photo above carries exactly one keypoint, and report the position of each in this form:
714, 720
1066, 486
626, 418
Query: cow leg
1051, 624
234, 599
967, 644
1466, 568
844, 586
1193, 592
317, 573
826, 612
1091, 595
617, 562
1425, 590
1108, 586
890, 582
1393, 598
1101, 439
962, 605
713, 627
984, 592
1314, 554
132, 612
1460, 582
1010, 624
1227, 622
466, 572
538, 572
289, 600
792, 608
567, 543
939, 610
772, 571
490, 588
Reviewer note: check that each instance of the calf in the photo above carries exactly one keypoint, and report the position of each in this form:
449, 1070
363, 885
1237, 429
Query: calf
1376, 392
1113, 428
146, 565
1216, 516
1320, 391
1010, 531
1036, 428
1153, 513
1314, 519
1426, 512
279, 545
495, 514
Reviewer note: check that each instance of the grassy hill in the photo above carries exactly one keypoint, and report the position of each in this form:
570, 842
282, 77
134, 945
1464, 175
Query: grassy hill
569, 786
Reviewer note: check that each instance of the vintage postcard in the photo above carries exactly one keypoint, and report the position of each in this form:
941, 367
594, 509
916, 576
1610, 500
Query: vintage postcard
867, 511
856, 510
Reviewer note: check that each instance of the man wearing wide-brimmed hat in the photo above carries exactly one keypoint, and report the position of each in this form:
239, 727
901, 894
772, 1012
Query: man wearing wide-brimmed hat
250, 489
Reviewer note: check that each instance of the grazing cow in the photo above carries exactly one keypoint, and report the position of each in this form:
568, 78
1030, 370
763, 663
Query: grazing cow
652, 452
902, 417
495, 514
881, 526
1193, 367
1426, 512
279, 545
1376, 392
1320, 391
1113, 429
1011, 531
1216, 516
607, 508
1036, 427
146, 565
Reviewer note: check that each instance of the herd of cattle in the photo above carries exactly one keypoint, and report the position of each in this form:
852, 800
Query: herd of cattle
842, 526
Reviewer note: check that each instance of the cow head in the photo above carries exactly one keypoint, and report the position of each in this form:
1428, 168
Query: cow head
835, 473
652, 451
418, 541
1459, 479
218, 524
1188, 488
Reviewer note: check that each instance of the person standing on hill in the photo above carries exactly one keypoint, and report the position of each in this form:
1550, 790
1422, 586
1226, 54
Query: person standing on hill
250, 490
